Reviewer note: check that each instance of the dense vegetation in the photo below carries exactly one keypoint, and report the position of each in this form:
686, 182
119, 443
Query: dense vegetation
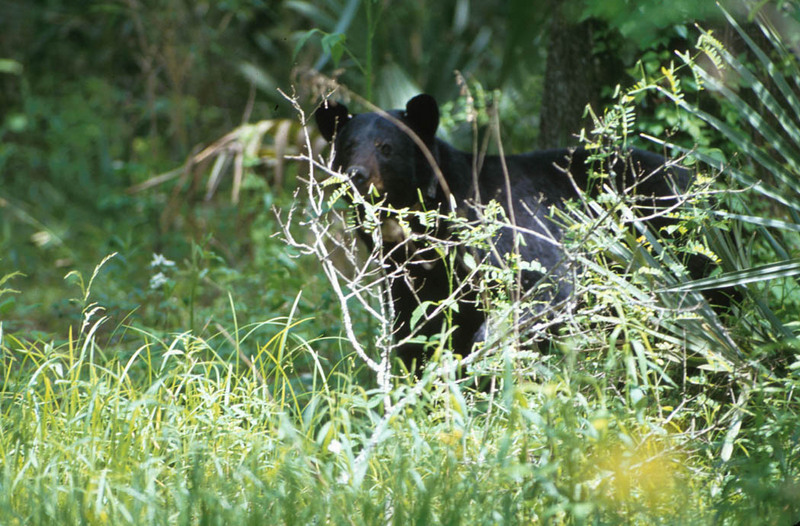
172, 351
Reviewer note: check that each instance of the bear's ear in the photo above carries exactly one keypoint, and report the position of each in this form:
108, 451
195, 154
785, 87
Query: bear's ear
422, 113
330, 117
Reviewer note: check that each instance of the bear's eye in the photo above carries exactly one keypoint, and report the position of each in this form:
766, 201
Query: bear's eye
384, 148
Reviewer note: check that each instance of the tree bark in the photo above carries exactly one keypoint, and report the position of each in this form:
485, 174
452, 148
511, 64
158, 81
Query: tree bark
574, 76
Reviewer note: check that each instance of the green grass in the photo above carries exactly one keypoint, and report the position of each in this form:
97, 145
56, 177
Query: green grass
173, 433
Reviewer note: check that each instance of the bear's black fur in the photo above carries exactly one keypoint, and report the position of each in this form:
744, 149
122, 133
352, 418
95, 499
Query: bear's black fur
379, 151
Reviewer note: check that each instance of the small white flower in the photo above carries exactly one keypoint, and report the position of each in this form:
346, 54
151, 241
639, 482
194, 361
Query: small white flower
157, 281
160, 261
335, 447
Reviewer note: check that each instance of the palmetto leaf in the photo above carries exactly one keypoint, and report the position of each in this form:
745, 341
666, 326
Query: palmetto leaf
770, 271
761, 221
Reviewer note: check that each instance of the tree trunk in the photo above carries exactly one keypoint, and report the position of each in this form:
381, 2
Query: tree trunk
574, 77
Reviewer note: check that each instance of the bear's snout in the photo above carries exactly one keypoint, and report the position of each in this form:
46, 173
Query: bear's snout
360, 176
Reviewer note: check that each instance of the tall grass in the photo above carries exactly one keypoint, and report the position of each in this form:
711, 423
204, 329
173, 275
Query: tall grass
191, 439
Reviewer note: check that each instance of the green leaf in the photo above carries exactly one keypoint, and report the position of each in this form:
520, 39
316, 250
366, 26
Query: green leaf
418, 313
333, 43
782, 269
10, 66
469, 261
302, 41
761, 221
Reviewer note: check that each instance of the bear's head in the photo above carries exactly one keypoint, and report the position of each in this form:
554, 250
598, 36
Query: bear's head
375, 152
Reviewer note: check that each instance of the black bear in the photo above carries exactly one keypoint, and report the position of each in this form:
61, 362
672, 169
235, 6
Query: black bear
388, 152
